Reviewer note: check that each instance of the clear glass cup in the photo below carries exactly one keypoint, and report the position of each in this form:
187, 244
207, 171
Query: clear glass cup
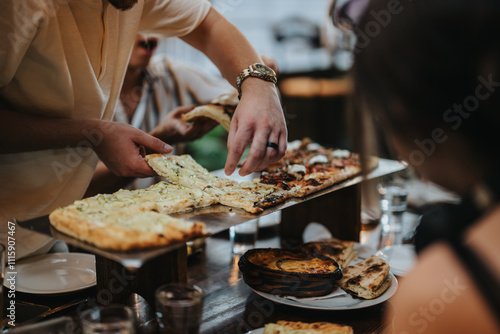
393, 195
244, 236
110, 319
393, 202
179, 308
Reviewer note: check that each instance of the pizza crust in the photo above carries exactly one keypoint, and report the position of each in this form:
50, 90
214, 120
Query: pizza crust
228, 99
221, 114
297, 327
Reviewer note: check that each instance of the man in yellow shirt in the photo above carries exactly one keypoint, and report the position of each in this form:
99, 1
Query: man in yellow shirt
61, 70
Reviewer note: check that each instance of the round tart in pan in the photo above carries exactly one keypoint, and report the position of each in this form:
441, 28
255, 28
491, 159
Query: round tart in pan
289, 272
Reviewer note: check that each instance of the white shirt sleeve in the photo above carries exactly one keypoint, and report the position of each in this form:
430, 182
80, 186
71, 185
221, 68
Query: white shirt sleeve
169, 18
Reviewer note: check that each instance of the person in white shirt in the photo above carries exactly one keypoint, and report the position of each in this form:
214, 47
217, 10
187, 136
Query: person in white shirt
61, 69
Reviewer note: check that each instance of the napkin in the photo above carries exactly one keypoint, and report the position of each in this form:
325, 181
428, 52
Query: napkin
28, 243
338, 292
315, 231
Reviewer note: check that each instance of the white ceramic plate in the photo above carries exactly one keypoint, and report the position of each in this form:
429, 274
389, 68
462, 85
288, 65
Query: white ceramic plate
54, 273
401, 258
257, 331
343, 302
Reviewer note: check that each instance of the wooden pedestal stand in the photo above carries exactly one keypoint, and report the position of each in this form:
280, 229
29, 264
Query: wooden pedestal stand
339, 211
115, 283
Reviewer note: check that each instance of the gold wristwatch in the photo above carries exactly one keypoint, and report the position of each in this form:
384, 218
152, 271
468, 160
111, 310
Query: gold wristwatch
256, 70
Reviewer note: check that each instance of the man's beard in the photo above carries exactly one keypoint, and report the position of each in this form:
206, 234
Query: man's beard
123, 4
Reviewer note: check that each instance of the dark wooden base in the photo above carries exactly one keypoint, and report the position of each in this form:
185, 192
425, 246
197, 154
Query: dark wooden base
339, 211
115, 283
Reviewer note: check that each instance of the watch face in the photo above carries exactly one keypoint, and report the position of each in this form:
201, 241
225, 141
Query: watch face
264, 69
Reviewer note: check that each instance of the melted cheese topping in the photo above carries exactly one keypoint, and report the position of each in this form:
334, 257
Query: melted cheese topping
313, 147
342, 154
321, 159
297, 169
294, 145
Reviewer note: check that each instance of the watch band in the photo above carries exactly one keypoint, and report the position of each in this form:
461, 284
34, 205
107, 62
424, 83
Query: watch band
256, 70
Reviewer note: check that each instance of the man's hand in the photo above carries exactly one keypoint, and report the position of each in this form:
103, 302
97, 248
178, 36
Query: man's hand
123, 147
173, 129
258, 119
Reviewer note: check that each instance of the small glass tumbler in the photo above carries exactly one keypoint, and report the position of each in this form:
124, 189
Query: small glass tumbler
110, 319
393, 202
179, 308
393, 195
244, 236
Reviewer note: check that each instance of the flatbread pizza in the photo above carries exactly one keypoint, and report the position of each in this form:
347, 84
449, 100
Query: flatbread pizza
298, 327
220, 109
367, 279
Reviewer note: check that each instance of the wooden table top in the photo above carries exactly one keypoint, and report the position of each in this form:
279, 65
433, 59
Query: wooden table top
230, 306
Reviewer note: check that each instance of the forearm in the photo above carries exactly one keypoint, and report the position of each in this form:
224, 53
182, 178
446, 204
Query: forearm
224, 44
20, 132
106, 182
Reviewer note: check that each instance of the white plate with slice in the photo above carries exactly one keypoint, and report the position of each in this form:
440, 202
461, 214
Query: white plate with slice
340, 302
257, 331
53, 273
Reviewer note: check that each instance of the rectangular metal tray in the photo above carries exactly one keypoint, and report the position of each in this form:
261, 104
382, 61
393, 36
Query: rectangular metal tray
216, 217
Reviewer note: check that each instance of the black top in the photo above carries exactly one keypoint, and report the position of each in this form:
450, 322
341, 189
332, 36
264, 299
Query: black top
448, 223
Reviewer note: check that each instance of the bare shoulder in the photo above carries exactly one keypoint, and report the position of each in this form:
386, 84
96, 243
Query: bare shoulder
439, 297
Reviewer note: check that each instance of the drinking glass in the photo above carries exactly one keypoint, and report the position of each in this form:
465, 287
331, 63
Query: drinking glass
110, 319
243, 236
179, 308
393, 201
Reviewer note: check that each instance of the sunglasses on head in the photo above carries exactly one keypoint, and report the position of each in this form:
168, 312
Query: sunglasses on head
346, 14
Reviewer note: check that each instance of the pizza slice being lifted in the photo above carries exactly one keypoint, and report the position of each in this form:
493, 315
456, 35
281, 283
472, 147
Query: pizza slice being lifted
220, 109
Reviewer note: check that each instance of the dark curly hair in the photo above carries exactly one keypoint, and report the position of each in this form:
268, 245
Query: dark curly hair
431, 67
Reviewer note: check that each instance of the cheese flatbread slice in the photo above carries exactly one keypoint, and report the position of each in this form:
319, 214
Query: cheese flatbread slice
123, 230
296, 327
251, 196
367, 279
165, 197
162, 197
184, 170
